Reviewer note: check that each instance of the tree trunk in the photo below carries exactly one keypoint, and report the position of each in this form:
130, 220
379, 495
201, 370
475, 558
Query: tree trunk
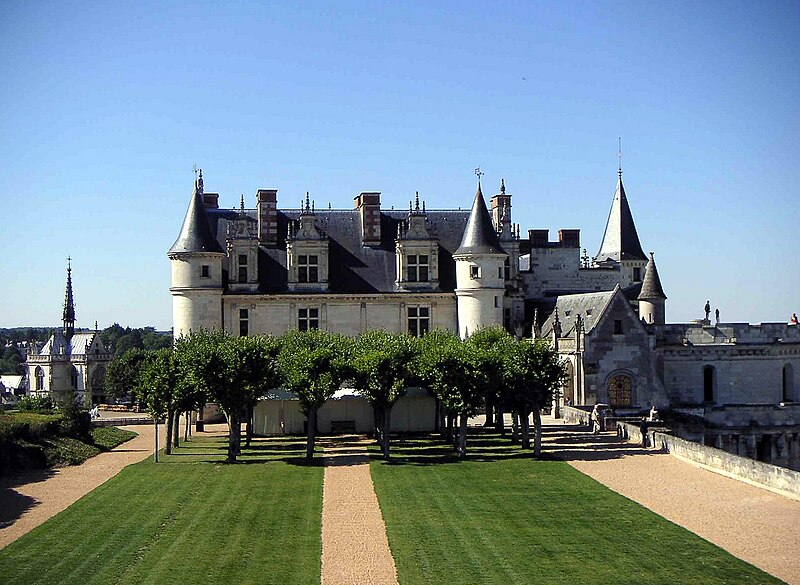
188, 429
462, 437
249, 427
386, 431
437, 423
514, 426
233, 424
170, 422
537, 432
499, 422
526, 435
176, 429
201, 421
377, 423
155, 450
489, 411
312, 427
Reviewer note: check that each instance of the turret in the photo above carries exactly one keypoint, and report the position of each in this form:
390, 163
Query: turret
620, 241
196, 258
480, 283
652, 297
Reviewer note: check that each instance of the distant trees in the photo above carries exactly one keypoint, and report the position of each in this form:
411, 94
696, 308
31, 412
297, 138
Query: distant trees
121, 339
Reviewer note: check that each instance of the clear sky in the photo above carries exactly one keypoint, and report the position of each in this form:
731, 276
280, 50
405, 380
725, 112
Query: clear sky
106, 106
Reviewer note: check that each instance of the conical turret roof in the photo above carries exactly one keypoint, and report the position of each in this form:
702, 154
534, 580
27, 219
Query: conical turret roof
651, 285
479, 235
620, 241
196, 233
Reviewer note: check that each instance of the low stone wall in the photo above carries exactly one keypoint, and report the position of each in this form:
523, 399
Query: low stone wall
772, 477
122, 421
577, 415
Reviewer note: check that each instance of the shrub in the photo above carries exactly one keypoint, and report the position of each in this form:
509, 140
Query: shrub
76, 420
35, 403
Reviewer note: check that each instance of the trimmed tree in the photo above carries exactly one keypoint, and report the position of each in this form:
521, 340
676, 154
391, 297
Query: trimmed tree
157, 380
313, 364
381, 372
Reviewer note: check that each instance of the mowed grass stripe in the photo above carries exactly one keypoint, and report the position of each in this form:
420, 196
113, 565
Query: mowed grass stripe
251, 523
511, 520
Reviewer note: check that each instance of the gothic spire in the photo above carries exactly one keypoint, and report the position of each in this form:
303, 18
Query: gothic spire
68, 316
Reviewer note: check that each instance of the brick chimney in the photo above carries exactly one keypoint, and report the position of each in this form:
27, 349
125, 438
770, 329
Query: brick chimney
368, 205
211, 200
569, 238
267, 207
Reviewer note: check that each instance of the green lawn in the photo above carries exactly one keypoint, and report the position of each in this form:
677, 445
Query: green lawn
500, 517
189, 519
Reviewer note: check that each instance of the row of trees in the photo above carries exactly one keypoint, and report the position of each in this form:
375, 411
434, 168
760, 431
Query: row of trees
491, 366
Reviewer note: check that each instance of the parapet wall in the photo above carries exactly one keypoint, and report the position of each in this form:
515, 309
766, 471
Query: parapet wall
771, 477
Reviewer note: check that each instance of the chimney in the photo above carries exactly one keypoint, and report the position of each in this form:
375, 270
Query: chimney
569, 238
267, 207
368, 205
539, 238
211, 200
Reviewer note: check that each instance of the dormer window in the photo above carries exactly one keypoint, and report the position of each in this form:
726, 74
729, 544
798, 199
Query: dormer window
307, 268
417, 268
637, 274
474, 271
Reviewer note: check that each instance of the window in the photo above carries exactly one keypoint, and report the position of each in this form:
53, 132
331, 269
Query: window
419, 320
507, 320
417, 268
507, 269
204, 271
308, 268
496, 302
708, 384
242, 267
474, 271
244, 322
637, 274
617, 326
308, 318
39, 378
620, 390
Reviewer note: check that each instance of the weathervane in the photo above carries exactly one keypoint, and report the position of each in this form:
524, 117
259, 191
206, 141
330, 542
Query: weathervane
619, 155
478, 173
194, 168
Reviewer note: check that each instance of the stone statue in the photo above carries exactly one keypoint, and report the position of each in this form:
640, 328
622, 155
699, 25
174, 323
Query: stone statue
708, 309
716, 315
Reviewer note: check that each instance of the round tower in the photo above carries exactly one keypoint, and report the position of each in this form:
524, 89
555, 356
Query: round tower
651, 298
196, 258
480, 283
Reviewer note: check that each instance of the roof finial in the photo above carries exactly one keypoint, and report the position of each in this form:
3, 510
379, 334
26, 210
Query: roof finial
416, 201
502, 187
95, 325
200, 182
619, 156
308, 205
478, 173
423, 207
241, 202
313, 203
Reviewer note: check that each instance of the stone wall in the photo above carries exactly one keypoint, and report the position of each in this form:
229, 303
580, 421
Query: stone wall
549, 270
771, 477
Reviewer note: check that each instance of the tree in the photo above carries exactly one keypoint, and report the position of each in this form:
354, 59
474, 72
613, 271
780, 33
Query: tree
158, 379
447, 366
532, 373
381, 372
122, 374
491, 343
313, 364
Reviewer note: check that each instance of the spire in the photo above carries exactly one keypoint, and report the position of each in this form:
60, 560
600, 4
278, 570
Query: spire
620, 241
68, 317
651, 285
480, 236
241, 203
196, 234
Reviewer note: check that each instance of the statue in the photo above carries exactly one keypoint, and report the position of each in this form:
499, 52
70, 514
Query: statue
708, 309
716, 315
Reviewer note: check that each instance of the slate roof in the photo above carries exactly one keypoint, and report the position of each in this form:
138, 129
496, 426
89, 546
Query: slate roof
590, 306
480, 236
354, 269
651, 285
620, 240
58, 344
196, 234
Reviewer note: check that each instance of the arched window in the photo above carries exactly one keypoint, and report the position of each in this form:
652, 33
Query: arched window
788, 383
708, 383
620, 390
39, 373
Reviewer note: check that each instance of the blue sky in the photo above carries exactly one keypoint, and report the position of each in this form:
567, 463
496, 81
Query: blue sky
107, 106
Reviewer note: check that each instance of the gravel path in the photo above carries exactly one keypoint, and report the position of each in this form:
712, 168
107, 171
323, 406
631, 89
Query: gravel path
355, 550
754, 524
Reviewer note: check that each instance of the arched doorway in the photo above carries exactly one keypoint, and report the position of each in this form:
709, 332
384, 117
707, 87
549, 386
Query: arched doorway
98, 385
709, 375
788, 383
620, 390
